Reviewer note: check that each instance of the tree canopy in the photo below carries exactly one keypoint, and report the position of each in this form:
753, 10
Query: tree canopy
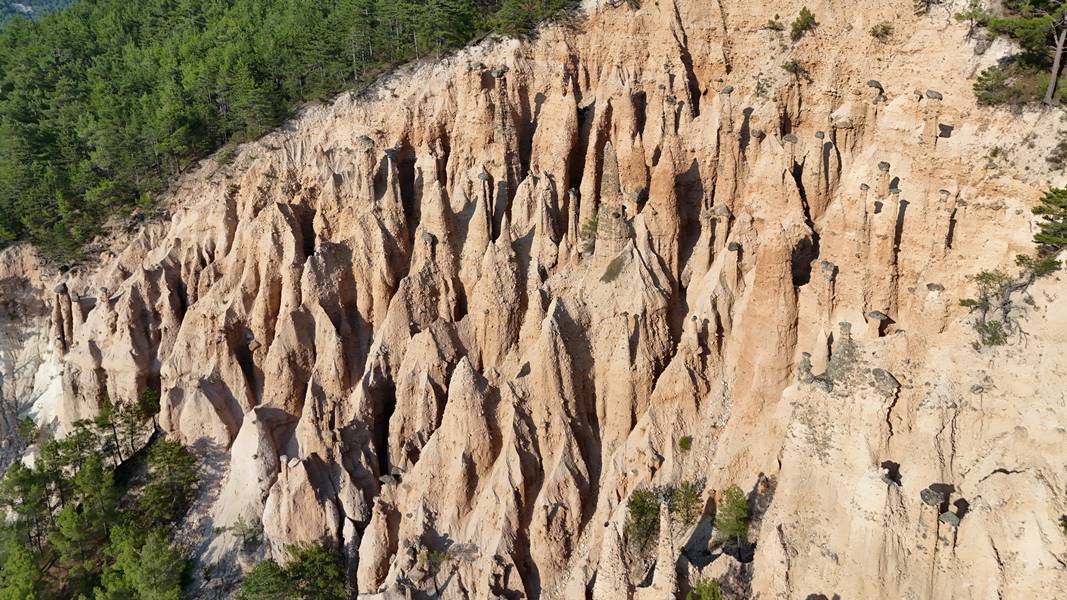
642, 518
731, 520
1038, 27
1052, 229
74, 531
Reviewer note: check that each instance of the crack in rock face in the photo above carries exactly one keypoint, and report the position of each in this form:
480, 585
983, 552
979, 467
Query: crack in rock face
473, 311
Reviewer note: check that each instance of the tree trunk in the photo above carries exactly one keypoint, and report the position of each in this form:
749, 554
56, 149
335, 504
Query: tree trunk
1057, 58
355, 68
118, 444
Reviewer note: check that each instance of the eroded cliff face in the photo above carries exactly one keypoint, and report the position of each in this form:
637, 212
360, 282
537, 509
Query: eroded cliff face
387, 325
30, 367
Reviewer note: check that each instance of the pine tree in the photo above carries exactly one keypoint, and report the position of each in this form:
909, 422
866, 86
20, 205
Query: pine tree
445, 24
517, 17
804, 23
359, 20
1052, 230
685, 502
19, 575
24, 492
107, 431
249, 109
146, 566
82, 525
131, 421
171, 485
1040, 27
731, 520
642, 518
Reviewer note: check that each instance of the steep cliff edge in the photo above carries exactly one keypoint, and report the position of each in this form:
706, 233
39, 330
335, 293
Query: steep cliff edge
389, 326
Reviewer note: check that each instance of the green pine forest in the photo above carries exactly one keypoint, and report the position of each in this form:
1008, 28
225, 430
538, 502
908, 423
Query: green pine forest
104, 102
92, 514
95, 515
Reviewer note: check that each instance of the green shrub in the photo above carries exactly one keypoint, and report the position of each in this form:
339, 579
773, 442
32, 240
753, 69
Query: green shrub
28, 430
776, 24
705, 589
313, 573
991, 333
226, 156
588, 232
685, 443
248, 534
796, 69
145, 201
642, 518
435, 559
804, 23
1013, 84
882, 31
1058, 156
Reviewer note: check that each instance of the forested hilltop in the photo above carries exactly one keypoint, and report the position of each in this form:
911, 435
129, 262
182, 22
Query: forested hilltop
102, 102
28, 8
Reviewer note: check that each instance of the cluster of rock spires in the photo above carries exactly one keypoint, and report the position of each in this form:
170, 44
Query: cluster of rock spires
472, 310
